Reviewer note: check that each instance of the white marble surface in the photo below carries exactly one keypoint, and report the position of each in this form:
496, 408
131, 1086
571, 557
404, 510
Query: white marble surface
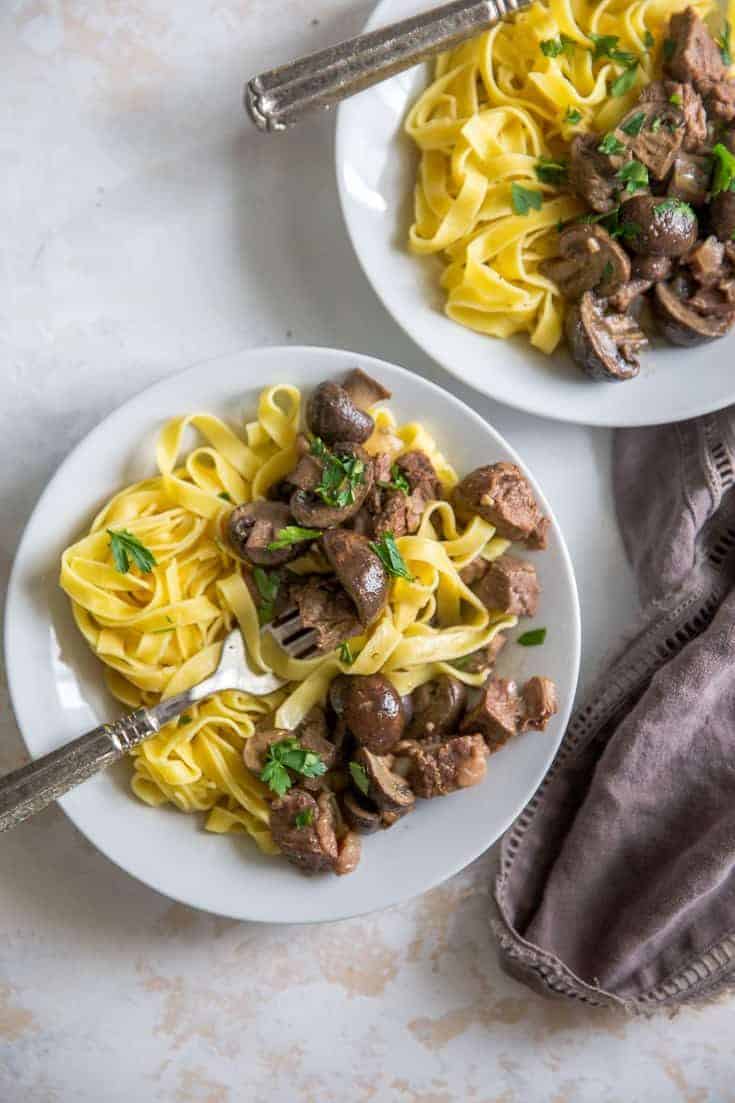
146, 228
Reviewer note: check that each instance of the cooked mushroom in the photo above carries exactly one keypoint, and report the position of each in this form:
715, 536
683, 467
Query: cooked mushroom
304, 829
312, 512
364, 390
373, 712
604, 345
652, 268
359, 570
252, 527
389, 791
360, 813
332, 415
690, 178
589, 258
437, 707
722, 215
658, 227
681, 322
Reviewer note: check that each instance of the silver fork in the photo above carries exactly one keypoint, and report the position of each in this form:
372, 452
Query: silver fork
290, 633
29, 789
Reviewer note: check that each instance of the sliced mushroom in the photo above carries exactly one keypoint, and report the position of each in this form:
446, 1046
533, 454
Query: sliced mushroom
359, 570
604, 345
722, 215
373, 712
652, 268
389, 791
360, 813
680, 322
690, 178
658, 227
332, 415
364, 390
252, 527
309, 510
437, 707
589, 258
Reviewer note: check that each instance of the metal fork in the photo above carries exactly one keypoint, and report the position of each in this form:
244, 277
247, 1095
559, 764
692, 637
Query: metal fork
290, 633
29, 789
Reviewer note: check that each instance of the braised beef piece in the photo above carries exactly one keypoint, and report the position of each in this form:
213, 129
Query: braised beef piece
500, 494
503, 712
304, 829
628, 296
252, 527
324, 605
440, 768
722, 215
474, 570
675, 120
309, 509
483, 660
592, 174
509, 585
392, 510
707, 262
419, 472
719, 98
540, 703
313, 734
693, 55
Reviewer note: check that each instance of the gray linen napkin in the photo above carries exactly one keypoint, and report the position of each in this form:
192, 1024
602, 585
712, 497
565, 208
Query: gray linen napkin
616, 883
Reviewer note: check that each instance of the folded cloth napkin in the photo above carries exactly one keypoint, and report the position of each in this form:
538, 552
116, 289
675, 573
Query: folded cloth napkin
616, 884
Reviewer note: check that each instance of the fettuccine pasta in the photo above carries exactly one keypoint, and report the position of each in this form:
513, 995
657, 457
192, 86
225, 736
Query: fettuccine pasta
158, 632
497, 105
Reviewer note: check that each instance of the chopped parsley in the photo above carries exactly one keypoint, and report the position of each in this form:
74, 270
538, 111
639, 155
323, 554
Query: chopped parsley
611, 145
606, 45
648, 40
387, 552
268, 585
669, 48
625, 81
534, 638
607, 271
724, 43
634, 124
340, 477
292, 534
398, 481
673, 204
224, 496
523, 199
724, 174
551, 172
184, 720
125, 546
628, 230
554, 47
656, 124
360, 777
634, 175
345, 653
304, 818
676, 99
573, 116
288, 754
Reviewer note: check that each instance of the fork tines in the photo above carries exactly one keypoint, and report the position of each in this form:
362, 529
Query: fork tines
290, 633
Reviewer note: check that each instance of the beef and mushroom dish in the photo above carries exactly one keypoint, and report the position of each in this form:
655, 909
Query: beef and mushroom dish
656, 253
332, 538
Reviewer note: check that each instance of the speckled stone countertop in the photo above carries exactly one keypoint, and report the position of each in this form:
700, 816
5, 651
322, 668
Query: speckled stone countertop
147, 227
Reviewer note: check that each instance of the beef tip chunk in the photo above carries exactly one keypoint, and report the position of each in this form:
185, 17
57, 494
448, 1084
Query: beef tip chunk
393, 510
312, 733
592, 174
500, 494
325, 606
677, 106
695, 56
482, 661
474, 570
707, 263
313, 846
628, 296
509, 586
382, 468
419, 472
440, 768
720, 100
722, 215
496, 714
539, 704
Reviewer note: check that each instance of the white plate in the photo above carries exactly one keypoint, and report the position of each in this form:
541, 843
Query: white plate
376, 169
56, 687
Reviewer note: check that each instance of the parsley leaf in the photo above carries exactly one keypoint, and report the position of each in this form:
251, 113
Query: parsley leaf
534, 638
673, 204
554, 47
345, 653
184, 719
676, 99
724, 175
669, 48
573, 116
551, 172
224, 496
340, 477
125, 547
625, 81
603, 43
398, 481
648, 40
292, 534
387, 552
626, 231
611, 145
288, 754
304, 818
268, 585
360, 778
657, 124
523, 199
634, 124
634, 175
724, 43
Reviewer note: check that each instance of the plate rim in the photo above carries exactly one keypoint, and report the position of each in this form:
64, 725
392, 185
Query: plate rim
14, 596
379, 16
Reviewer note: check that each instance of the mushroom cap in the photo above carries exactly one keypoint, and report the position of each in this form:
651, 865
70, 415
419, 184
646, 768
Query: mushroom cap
437, 707
332, 415
389, 791
681, 324
589, 258
358, 814
659, 226
312, 512
364, 390
359, 570
605, 347
244, 523
373, 712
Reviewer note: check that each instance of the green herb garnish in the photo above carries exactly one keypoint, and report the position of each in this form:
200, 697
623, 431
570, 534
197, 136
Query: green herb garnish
292, 534
634, 175
625, 81
288, 754
125, 547
724, 174
387, 551
611, 145
648, 40
398, 481
345, 653
669, 48
340, 477
305, 818
573, 116
534, 638
360, 777
724, 43
224, 496
551, 172
606, 45
554, 47
626, 231
607, 271
656, 124
268, 585
184, 720
523, 199
634, 124
676, 99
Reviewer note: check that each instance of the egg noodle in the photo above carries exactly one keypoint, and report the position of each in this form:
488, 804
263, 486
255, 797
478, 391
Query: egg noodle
497, 104
160, 632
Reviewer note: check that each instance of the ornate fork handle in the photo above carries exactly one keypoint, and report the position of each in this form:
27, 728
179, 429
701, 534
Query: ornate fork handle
277, 99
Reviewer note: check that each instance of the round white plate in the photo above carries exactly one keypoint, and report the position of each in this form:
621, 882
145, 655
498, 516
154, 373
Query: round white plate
57, 693
376, 170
